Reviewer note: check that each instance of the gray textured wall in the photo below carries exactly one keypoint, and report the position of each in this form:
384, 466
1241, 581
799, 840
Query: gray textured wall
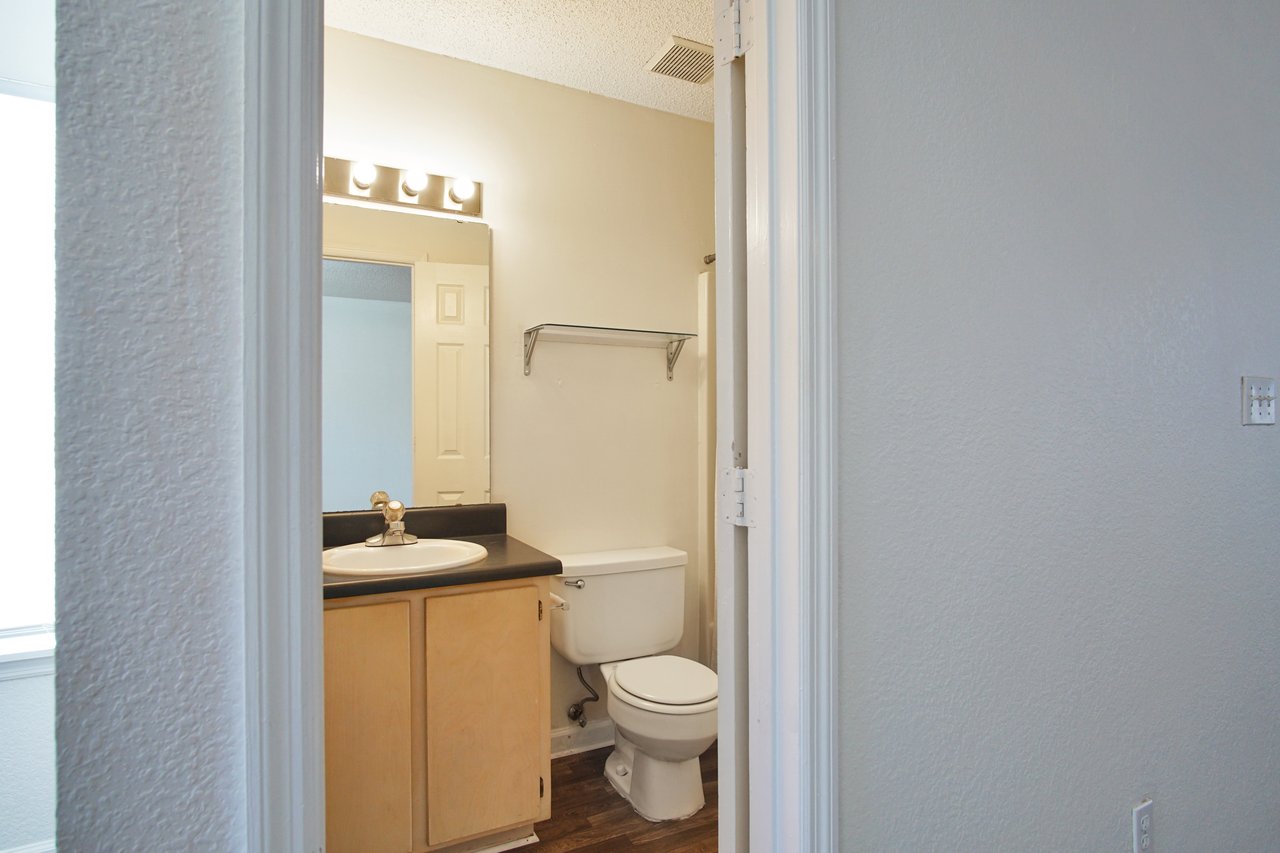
149, 438
1060, 586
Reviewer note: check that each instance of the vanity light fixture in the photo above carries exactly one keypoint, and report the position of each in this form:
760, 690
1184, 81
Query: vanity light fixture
363, 174
411, 188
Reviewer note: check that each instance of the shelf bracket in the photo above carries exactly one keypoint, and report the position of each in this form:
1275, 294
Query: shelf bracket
673, 355
530, 339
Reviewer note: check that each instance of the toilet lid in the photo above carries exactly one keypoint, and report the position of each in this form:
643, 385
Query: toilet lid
667, 679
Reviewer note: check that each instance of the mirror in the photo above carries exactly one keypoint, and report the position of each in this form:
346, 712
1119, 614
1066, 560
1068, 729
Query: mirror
405, 348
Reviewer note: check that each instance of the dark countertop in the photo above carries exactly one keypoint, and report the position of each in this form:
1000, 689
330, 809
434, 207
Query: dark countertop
508, 559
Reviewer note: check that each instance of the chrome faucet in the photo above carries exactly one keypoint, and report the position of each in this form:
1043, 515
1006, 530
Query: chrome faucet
393, 512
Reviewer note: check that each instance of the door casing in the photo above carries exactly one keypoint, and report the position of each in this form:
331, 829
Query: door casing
781, 758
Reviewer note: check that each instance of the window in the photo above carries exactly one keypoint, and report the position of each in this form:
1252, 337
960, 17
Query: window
26, 353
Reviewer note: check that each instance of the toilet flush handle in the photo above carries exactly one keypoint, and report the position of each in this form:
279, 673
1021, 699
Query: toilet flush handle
579, 583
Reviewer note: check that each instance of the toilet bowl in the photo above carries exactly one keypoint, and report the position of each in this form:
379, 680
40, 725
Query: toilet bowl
664, 714
621, 610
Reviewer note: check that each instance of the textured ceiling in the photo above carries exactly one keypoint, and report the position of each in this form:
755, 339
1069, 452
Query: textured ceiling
599, 46
364, 280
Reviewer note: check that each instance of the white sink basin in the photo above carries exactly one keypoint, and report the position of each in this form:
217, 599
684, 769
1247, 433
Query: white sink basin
425, 555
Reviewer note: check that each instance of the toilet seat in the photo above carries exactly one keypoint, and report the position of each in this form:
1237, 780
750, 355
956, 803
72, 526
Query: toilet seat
667, 679
665, 684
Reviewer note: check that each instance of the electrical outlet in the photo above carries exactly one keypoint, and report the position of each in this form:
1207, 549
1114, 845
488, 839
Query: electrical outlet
1143, 827
1258, 400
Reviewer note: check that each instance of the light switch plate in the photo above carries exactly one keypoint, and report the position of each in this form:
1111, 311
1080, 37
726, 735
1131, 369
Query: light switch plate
1258, 400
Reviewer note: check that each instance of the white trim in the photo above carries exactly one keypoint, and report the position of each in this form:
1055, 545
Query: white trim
771, 682
26, 89
570, 740
732, 658
48, 846
791, 365
284, 749
818, 451
28, 631
400, 208
27, 652
27, 665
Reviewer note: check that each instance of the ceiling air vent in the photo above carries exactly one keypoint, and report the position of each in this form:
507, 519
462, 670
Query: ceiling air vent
684, 60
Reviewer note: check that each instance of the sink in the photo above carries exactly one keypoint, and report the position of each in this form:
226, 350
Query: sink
425, 555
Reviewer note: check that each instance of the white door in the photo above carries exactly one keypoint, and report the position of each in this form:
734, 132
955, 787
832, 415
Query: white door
450, 384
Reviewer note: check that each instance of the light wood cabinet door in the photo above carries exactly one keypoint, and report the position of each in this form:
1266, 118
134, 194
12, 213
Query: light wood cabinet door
483, 711
367, 708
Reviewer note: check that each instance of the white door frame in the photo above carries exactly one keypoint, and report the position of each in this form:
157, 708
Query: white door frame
731, 450
816, 400
781, 755
784, 619
284, 692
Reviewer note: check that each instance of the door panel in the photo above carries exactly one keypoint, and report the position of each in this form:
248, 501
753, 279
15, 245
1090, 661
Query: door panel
483, 712
367, 744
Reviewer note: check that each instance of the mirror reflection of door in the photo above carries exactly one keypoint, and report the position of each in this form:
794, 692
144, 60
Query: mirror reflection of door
406, 359
451, 463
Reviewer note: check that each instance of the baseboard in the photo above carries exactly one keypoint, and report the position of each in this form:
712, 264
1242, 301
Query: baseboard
38, 847
570, 740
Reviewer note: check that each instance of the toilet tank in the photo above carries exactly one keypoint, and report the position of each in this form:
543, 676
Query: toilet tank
620, 604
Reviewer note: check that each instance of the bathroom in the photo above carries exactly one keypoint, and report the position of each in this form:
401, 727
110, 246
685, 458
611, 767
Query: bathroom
600, 212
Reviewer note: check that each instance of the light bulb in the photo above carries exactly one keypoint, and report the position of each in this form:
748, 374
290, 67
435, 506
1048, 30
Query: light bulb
363, 174
462, 190
415, 182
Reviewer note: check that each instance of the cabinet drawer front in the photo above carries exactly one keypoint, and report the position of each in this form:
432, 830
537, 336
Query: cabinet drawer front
483, 712
367, 741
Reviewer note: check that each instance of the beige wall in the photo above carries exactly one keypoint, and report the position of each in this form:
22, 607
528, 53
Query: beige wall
601, 213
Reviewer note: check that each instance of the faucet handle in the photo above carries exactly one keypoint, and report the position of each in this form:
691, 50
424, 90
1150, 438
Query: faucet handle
393, 511
379, 499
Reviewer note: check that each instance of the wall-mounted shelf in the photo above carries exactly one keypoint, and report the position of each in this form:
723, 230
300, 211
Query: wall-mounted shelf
672, 342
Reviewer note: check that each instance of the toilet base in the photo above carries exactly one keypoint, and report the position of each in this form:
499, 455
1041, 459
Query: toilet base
657, 790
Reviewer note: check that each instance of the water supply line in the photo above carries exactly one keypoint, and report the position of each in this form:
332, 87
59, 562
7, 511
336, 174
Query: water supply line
577, 711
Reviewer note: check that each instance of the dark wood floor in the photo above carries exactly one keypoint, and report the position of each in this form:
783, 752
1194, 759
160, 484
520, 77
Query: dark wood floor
588, 816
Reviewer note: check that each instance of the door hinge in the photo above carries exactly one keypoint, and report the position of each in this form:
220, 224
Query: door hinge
539, 609
542, 788
738, 496
733, 31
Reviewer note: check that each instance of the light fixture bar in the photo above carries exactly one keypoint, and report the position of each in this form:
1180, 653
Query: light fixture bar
410, 188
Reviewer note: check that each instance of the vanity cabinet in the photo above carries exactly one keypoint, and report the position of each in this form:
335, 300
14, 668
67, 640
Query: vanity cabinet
437, 717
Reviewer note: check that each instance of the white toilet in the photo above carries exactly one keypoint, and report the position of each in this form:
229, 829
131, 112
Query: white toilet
621, 609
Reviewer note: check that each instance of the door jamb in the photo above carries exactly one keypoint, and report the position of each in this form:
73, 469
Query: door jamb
818, 450
284, 699
792, 405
